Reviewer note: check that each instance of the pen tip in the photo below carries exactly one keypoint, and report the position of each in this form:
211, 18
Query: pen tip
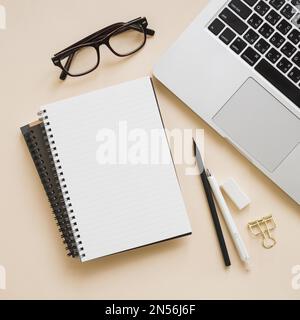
194, 146
247, 265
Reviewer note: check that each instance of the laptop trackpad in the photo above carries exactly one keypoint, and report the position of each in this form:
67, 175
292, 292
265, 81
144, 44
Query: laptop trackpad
259, 124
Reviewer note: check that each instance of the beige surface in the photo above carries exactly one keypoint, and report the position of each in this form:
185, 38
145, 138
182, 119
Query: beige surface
30, 248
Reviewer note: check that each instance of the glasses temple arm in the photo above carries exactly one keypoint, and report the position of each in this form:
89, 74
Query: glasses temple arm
150, 32
67, 66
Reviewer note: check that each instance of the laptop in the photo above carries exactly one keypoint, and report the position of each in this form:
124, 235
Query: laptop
238, 67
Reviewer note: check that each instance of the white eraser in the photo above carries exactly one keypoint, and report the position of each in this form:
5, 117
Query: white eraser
234, 192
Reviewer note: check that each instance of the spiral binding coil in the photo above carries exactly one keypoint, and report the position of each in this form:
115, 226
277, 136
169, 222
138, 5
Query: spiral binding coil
61, 204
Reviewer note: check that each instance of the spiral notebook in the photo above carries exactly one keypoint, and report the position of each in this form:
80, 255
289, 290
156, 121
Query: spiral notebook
106, 207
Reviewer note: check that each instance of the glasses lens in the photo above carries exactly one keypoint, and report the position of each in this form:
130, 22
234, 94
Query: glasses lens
84, 60
128, 40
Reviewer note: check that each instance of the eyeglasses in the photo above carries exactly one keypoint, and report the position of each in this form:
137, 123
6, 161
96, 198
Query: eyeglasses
123, 39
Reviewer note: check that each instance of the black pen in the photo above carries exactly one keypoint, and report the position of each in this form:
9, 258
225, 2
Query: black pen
212, 206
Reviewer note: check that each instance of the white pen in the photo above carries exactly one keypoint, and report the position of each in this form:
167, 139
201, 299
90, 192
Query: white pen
236, 237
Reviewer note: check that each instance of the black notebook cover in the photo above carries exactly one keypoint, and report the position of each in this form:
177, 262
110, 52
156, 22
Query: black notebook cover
38, 145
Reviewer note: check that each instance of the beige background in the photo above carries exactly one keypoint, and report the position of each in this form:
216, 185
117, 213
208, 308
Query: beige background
30, 247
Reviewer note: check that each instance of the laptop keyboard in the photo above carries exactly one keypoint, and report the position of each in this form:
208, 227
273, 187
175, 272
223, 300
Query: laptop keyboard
266, 35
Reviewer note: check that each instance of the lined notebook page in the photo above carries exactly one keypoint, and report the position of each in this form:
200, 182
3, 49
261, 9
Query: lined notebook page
117, 206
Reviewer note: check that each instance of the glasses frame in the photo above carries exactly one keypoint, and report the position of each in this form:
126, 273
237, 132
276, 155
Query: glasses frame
95, 40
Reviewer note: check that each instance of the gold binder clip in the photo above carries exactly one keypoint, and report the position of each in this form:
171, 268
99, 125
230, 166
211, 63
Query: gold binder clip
263, 227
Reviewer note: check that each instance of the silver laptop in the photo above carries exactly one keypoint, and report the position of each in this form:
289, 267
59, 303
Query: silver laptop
238, 67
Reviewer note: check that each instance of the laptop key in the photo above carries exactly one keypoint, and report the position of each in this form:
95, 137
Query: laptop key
284, 65
296, 19
262, 45
240, 8
251, 36
288, 11
279, 81
288, 49
294, 74
273, 17
284, 27
227, 36
216, 26
262, 8
277, 39
238, 45
250, 56
277, 4
294, 36
296, 2
233, 21
296, 59
266, 30
273, 55
255, 21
